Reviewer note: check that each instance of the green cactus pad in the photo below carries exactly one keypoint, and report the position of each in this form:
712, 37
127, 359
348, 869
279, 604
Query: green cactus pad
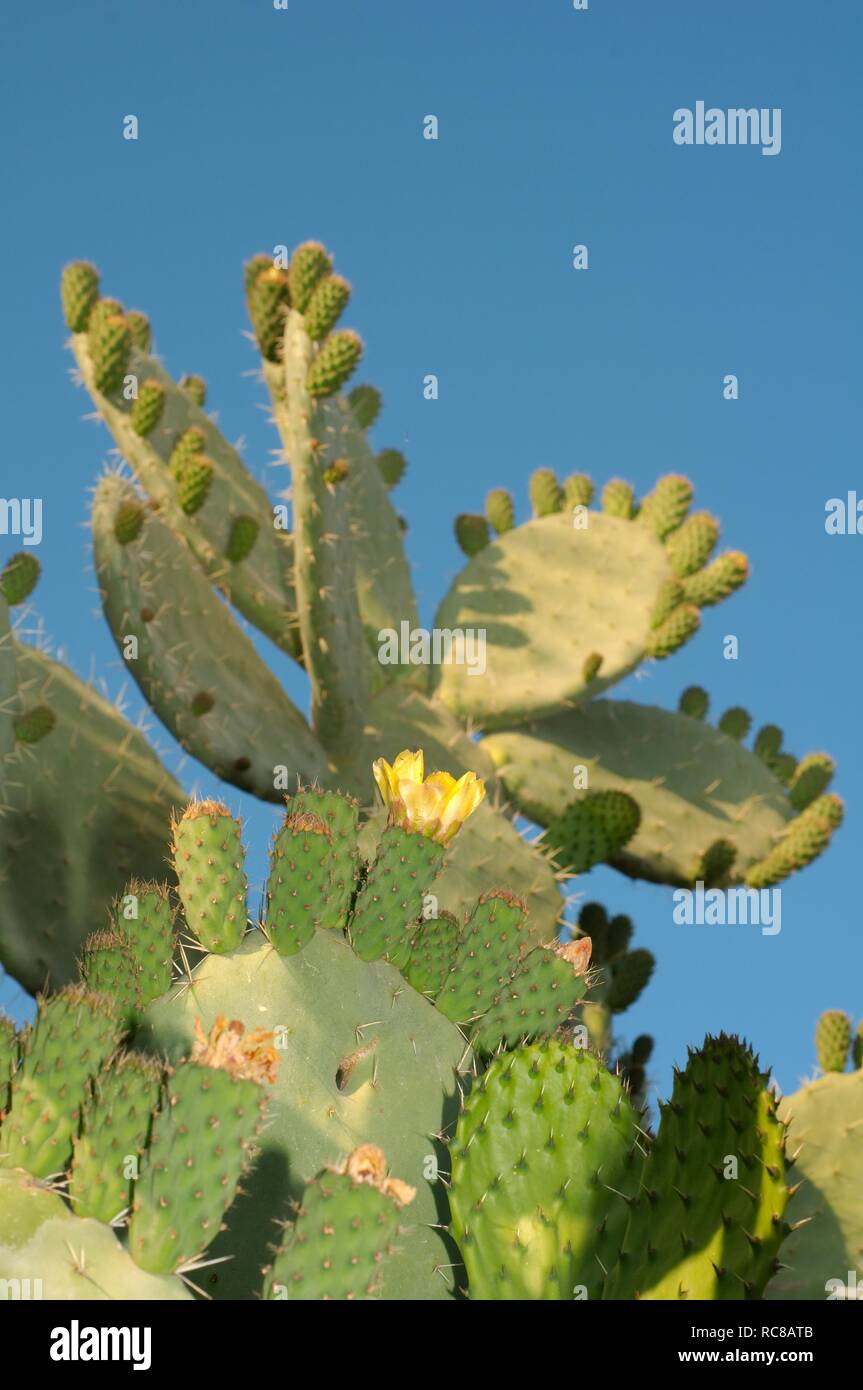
79, 291
209, 861
630, 976
540, 997
825, 1123
139, 329
618, 499
577, 490
673, 632
83, 808
324, 1004
366, 403
144, 920
500, 510
806, 837
340, 814
19, 577
519, 591
717, 581
110, 346
592, 830
268, 302
392, 465
202, 1143
833, 1040
390, 902
244, 533
9, 1053
74, 1260
695, 702
471, 532
298, 888
489, 949
735, 722
346, 1229
187, 642
690, 547
544, 1160
812, 776
664, 509
74, 1033
709, 1217
195, 388
108, 967
693, 785
432, 954
115, 1130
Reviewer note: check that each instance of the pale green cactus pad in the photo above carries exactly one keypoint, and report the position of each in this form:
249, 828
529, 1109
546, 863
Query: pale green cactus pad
825, 1120
363, 1059
693, 785
83, 806
48, 1253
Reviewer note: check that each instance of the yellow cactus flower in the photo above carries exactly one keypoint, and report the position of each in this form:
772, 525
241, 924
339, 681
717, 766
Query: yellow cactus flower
436, 806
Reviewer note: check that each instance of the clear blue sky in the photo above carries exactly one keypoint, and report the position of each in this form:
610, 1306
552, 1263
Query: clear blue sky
259, 127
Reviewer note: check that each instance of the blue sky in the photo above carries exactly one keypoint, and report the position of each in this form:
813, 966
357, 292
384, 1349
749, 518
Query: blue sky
260, 127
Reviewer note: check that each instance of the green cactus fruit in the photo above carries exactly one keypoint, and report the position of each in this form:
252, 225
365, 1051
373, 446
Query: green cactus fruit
715, 864
74, 1033
335, 360
254, 269
669, 596
539, 998
593, 922
241, 539
592, 667
806, 837
577, 491
79, 291
833, 1040
147, 409
139, 328
366, 403
309, 264
618, 499
340, 815
115, 1128
695, 702
298, 886
546, 494
487, 955
432, 956
35, 724
390, 902
193, 485
642, 1049
664, 509
109, 967
110, 346
189, 446
19, 577
144, 921
102, 311
544, 1160
629, 978
268, 301
718, 580
345, 1230
811, 778
471, 532
736, 722
195, 388
590, 831
328, 302
708, 1220
128, 522
500, 510
208, 858
618, 935
202, 1142
683, 623
691, 546
783, 767
392, 464
823, 1255
857, 1046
